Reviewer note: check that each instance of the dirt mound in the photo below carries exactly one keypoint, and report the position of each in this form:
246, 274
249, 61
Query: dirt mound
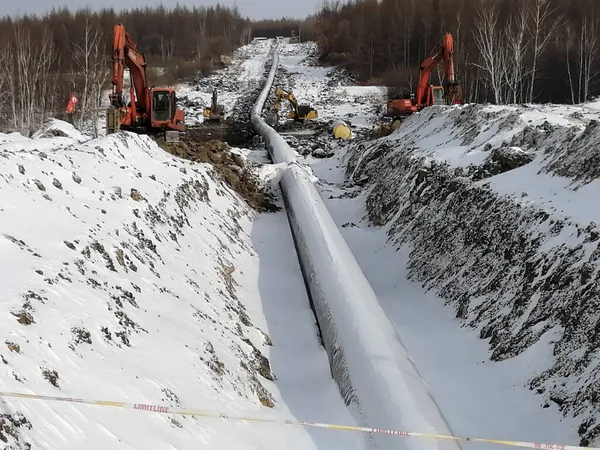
229, 166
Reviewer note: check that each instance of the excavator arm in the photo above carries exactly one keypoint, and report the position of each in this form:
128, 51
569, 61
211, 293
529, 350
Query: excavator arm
127, 54
442, 52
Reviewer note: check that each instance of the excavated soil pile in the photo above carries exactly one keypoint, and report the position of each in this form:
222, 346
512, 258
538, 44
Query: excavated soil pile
229, 166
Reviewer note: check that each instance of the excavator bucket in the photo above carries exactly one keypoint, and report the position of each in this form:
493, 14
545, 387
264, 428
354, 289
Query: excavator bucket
215, 112
113, 120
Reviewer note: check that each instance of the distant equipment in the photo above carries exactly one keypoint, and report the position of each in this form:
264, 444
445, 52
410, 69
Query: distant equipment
215, 112
427, 94
299, 113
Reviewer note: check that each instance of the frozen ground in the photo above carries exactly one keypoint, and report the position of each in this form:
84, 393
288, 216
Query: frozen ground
438, 244
131, 275
478, 398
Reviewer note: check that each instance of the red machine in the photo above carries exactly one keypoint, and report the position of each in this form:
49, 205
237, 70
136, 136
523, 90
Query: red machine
427, 94
154, 109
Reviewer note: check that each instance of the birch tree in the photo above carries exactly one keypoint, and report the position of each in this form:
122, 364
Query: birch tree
489, 42
92, 64
543, 25
518, 43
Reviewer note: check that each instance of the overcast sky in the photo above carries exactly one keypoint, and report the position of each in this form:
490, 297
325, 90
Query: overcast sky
255, 9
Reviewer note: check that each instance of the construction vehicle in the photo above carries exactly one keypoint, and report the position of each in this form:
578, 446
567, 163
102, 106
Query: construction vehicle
299, 113
215, 112
150, 109
428, 94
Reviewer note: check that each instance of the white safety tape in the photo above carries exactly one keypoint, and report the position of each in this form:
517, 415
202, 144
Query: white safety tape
216, 415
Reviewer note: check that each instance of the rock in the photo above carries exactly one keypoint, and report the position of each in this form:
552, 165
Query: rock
39, 185
135, 195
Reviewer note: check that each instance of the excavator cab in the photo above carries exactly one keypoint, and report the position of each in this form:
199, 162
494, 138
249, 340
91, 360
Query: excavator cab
161, 106
164, 113
436, 96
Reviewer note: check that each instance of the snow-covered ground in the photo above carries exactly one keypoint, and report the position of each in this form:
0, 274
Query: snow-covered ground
437, 241
131, 275
496, 209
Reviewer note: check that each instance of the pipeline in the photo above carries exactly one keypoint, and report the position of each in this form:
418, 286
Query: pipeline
373, 371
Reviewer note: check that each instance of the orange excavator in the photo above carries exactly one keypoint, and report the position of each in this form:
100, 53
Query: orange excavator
150, 109
427, 94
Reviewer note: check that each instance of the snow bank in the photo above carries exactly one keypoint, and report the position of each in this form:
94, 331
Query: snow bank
120, 268
374, 372
497, 206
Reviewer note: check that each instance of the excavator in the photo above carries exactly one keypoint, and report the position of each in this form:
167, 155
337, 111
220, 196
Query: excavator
150, 109
427, 94
215, 112
299, 113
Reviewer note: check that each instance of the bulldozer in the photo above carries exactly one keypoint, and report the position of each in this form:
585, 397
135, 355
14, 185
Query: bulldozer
215, 112
299, 113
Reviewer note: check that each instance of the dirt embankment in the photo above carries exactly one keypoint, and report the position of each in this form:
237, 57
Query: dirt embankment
229, 167
514, 272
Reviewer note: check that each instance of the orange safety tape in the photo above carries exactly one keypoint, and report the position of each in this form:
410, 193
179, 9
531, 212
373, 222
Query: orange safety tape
202, 413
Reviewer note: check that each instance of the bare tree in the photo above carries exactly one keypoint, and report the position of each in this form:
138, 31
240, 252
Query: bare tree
488, 39
589, 50
33, 61
517, 47
569, 42
91, 63
544, 23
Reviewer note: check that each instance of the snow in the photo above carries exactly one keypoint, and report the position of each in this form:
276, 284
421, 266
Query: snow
476, 396
371, 367
442, 133
133, 302
148, 280
317, 86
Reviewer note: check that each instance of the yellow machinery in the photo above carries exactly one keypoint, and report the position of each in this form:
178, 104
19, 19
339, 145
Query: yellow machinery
215, 112
299, 113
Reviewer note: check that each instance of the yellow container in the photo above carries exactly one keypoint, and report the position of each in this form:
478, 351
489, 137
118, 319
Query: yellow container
342, 132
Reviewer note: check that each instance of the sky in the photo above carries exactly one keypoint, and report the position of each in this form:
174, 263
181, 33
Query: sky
254, 9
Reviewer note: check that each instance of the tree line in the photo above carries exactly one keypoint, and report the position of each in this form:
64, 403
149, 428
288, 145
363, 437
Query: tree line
45, 59
506, 51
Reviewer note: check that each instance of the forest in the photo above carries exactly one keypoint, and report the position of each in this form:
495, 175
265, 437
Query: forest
45, 59
505, 51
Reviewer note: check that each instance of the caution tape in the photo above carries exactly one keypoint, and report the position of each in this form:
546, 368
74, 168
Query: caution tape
202, 413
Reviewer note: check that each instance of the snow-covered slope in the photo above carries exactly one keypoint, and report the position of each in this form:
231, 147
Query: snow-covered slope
495, 207
131, 275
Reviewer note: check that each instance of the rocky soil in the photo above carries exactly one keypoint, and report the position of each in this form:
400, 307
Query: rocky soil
517, 273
